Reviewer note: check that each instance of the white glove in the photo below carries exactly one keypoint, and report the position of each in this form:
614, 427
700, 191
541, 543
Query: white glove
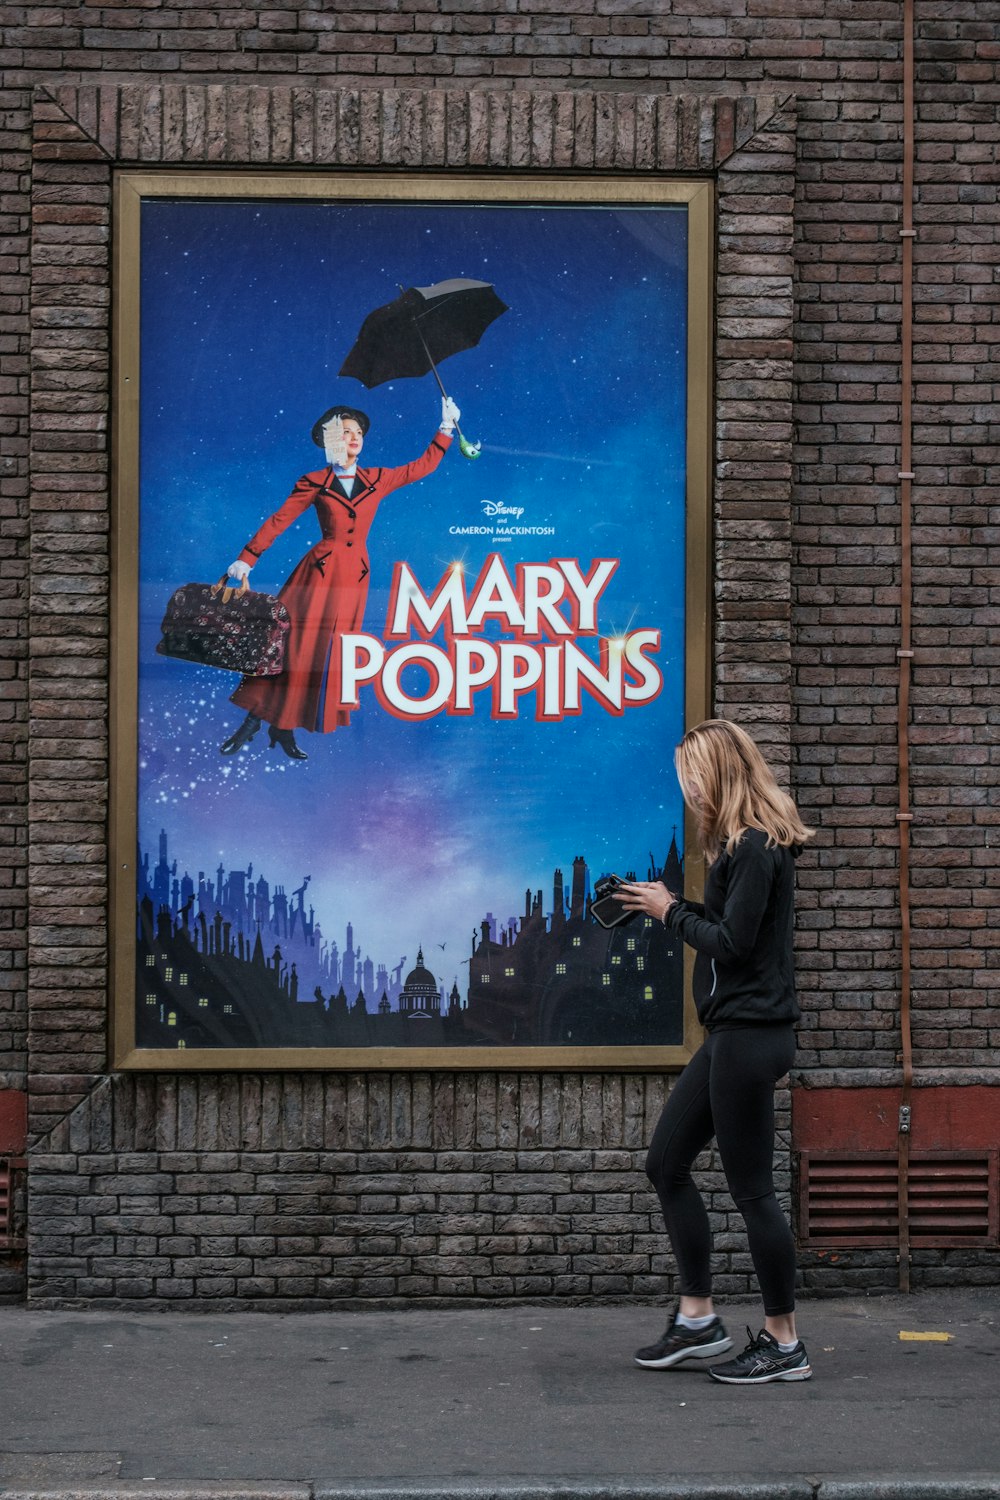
334, 442
238, 570
449, 415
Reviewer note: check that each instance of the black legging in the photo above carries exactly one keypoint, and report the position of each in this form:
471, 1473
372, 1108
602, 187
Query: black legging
727, 1091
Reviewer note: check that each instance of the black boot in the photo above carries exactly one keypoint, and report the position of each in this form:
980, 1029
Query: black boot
241, 736
286, 739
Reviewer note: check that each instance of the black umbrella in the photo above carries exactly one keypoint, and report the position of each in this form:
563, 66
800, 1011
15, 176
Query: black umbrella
422, 326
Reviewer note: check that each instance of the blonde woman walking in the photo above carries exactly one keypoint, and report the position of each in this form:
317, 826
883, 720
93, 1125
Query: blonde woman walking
744, 992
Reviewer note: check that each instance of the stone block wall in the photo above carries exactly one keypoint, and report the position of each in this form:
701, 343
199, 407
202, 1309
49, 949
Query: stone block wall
795, 108
307, 1191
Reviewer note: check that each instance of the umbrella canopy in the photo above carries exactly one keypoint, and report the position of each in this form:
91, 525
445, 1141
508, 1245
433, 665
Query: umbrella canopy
422, 326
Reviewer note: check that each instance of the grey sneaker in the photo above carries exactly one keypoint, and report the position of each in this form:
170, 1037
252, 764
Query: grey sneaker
762, 1361
679, 1344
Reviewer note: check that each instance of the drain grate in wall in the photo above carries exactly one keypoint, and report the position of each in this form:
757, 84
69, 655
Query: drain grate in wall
851, 1198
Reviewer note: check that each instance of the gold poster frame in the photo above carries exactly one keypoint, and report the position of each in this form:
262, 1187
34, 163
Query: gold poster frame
130, 189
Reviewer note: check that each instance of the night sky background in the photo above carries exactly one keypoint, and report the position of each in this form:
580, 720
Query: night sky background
414, 831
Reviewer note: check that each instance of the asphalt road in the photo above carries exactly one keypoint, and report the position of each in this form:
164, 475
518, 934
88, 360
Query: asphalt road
470, 1402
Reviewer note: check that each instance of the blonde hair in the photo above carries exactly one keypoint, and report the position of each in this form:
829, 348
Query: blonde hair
736, 789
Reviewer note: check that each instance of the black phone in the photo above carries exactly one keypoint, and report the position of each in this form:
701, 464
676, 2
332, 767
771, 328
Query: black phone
603, 906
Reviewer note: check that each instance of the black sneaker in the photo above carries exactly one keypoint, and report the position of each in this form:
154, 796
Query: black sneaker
763, 1361
679, 1344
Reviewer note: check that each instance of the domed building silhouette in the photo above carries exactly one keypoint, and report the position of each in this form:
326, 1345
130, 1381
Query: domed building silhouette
421, 998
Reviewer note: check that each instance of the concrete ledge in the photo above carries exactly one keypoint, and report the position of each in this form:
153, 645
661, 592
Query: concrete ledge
704, 1487
570, 1488
700, 1487
912, 1487
137, 1489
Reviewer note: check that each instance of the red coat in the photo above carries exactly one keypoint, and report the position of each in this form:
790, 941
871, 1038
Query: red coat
326, 593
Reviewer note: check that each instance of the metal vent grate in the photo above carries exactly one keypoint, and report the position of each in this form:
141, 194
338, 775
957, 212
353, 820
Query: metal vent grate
5, 1196
851, 1198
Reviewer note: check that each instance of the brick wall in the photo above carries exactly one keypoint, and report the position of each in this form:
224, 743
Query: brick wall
478, 1186
807, 503
330, 1191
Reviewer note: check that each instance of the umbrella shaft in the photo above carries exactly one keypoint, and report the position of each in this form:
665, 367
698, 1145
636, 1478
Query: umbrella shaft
434, 369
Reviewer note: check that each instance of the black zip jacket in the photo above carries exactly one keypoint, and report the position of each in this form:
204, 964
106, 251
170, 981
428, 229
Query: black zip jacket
742, 936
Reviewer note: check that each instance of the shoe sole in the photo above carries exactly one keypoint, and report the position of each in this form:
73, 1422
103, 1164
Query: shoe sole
803, 1373
707, 1351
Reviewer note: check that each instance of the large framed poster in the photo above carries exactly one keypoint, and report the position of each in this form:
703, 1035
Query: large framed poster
411, 602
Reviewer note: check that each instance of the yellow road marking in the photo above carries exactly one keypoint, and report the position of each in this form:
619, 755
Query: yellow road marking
925, 1338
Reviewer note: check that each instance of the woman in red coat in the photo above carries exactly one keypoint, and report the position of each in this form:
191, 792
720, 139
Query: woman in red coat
326, 593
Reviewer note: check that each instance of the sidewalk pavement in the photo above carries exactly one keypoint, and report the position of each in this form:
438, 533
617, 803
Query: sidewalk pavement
526, 1403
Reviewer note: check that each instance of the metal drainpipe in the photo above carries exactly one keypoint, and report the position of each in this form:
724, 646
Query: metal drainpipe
905, 653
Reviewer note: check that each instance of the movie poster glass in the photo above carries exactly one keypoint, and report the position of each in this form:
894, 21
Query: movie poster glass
465, 656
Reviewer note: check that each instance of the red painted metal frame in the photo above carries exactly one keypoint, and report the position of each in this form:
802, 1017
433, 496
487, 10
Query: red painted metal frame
13, 1143
946, 1118
13, 1122
950, 1125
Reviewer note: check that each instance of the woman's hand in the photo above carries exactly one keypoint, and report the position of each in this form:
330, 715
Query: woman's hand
238, 570
335, 442
648, 896
450, 415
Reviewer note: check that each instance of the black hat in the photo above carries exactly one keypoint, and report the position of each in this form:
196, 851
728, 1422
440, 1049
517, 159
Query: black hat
340, 411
